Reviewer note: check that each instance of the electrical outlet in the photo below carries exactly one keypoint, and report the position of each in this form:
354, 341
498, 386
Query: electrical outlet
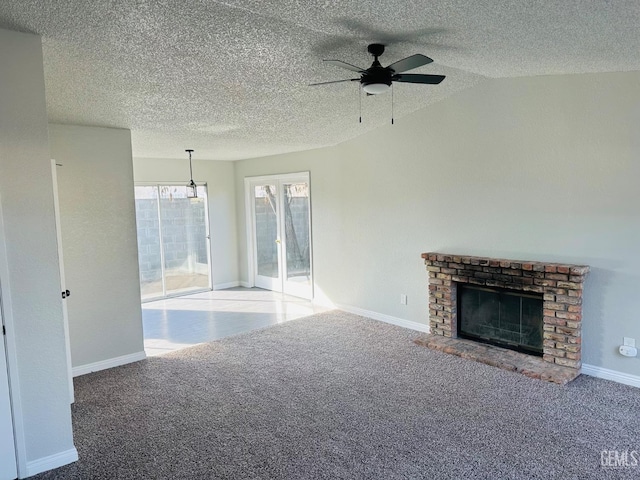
629, 342
628, 351
403, 299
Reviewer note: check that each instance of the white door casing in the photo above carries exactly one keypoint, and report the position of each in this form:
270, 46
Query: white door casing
8, 467
63, 284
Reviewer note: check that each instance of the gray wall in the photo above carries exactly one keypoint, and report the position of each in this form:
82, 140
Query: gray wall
539, 168
29, 270
97, 215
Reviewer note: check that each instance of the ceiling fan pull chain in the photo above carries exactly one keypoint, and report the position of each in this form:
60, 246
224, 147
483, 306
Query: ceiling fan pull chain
360, 97
392, 104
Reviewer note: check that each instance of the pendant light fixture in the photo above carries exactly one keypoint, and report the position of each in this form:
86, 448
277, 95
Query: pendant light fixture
192, 189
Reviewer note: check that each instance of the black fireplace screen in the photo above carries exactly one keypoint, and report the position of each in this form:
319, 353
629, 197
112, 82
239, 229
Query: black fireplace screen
505, 318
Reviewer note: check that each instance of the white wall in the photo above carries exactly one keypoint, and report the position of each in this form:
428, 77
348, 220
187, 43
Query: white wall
540, 168
219, 177
99, 243
29, 271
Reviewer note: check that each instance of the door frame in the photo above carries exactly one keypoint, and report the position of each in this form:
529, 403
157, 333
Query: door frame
12, 357
7, 434
63, 281
278, 179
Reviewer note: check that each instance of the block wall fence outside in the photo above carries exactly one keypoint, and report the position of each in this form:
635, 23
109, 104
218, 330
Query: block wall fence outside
267, 229
560, 284
177, 240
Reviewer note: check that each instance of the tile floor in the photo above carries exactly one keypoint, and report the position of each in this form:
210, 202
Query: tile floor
182, 322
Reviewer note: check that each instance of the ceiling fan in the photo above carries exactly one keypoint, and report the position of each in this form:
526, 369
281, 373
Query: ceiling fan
377, 79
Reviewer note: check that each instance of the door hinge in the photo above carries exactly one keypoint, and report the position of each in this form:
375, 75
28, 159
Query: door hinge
4, 330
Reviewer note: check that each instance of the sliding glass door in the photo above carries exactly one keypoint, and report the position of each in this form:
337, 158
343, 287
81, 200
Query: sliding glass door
173, 241
280, 220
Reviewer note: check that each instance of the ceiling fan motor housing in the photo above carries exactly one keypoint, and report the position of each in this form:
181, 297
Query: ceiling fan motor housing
376, 74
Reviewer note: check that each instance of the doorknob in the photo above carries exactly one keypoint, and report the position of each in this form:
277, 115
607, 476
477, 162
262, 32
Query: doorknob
278, 241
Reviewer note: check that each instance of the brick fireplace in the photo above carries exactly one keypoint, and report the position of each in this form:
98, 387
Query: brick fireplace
561, 287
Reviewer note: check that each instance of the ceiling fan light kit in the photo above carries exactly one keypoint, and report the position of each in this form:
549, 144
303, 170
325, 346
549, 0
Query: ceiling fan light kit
376, 88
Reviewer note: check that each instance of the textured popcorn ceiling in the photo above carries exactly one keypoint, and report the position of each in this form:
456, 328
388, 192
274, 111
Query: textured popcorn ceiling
229, 79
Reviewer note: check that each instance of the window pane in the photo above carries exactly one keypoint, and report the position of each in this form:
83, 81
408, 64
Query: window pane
296, 218
184, 240
266, 230
149, 257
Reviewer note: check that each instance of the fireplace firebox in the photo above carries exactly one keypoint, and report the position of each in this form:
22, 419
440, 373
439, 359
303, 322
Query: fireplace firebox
508, 319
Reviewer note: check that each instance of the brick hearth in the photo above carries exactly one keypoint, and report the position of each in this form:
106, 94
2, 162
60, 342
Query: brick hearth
560, 284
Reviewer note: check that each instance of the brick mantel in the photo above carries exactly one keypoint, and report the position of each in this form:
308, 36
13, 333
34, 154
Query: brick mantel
560, 284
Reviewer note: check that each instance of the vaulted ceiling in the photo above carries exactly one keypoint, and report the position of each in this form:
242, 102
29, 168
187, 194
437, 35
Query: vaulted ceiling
230, 78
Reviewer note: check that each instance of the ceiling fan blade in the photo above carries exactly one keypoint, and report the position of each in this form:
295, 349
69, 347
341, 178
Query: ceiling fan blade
335, 81
348, 66
409, 63
418, 78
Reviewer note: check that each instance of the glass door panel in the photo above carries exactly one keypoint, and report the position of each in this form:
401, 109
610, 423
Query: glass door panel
184, 240
297, 239
267, 240
149, 252
173, 241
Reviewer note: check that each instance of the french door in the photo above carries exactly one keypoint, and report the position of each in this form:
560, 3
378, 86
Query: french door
173, 241
279, 210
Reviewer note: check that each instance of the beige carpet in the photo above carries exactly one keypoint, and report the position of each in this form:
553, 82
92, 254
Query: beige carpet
337, 396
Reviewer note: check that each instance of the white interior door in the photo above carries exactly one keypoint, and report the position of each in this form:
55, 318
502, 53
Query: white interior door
8, 468
280, 225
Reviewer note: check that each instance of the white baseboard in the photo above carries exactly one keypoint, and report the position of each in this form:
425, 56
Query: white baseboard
110, 363
52, 461
400, 322
224, 286
245, 284
614, 375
